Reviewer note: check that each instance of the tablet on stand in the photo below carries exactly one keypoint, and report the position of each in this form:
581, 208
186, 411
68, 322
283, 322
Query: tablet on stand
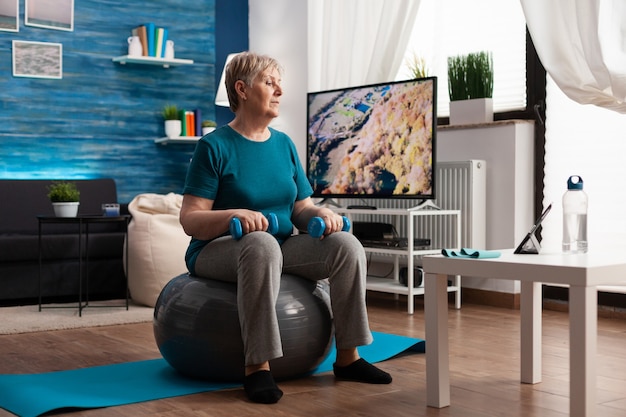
530, 244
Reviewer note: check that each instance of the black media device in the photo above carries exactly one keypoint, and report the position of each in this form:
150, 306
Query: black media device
383, 235
373, 230
373, 141
530, 244
362, 207
418, 276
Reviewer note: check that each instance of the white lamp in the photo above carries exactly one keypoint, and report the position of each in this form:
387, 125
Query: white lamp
221, 98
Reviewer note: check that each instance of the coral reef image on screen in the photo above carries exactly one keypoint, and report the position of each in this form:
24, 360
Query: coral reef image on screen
374, 141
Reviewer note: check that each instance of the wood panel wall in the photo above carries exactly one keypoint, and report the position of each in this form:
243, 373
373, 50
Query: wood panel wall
101, 118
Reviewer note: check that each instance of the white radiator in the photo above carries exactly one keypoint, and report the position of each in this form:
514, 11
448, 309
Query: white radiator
458, 186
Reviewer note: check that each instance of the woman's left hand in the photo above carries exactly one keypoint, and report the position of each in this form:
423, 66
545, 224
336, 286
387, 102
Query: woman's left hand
305, 210
332, 220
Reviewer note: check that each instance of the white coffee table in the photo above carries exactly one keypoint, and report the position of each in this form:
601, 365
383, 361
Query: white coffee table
582, 273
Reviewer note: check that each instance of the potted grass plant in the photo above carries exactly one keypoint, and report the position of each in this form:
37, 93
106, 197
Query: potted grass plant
470, 86
417, 66
65, 198
173, 125
208, 126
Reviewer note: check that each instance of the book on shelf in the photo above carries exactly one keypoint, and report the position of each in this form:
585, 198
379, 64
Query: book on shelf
187, 123
183, 122
153, 39
165, 33
150, 32
161, 38
191, 124
140, 31
198, 126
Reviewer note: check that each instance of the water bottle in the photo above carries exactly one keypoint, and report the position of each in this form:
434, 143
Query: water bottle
575, 216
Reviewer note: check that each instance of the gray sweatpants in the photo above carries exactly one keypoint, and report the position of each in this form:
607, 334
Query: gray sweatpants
256, 262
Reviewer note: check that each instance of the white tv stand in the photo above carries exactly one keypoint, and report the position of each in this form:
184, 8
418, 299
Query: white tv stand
394, 286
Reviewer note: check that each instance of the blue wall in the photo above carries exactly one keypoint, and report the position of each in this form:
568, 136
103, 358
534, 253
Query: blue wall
231, 32
101, 119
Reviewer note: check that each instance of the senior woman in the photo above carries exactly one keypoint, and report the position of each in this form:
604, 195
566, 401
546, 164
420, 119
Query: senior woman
247, 170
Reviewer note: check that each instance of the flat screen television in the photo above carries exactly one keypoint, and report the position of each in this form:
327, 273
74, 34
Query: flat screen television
373, 141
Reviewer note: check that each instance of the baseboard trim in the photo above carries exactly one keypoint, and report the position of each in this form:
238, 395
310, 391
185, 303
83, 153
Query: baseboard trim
490, 298
512, 301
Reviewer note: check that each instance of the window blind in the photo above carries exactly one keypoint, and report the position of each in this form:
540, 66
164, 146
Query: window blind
447, 28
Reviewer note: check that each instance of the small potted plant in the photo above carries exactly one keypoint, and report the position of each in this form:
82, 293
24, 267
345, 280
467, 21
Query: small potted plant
208, 126
470, 85
173, 125
65, 198
417, 66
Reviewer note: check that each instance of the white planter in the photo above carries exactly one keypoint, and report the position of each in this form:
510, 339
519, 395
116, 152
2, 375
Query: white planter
466, 112
207, 130
69, 209
173, 128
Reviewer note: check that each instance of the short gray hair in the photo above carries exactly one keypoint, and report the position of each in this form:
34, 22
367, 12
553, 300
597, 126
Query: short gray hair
246, 66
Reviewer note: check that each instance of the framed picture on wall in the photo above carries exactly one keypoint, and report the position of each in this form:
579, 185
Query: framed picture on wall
37, 59
9, 14
50, 14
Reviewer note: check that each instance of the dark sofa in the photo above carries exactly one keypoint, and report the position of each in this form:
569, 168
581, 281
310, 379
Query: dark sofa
20, 202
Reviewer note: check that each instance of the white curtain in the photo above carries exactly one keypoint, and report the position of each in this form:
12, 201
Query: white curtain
589, 141
356, 42
582, 45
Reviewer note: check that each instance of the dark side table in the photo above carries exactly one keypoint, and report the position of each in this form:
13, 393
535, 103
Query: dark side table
82, 224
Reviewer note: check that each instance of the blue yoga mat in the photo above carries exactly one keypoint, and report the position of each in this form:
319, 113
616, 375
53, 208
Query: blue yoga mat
126, 383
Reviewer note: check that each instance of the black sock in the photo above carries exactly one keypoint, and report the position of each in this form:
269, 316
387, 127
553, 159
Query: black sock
261, 388
362, 371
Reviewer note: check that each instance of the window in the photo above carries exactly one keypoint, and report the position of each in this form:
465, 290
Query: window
451, 27
585, 140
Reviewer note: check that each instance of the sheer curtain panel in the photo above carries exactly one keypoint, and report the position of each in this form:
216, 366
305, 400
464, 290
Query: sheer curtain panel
355, 42
589, 141
581, 43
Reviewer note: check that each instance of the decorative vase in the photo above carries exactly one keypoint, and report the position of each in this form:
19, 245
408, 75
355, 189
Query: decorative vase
207, 130
173, 128
134, 46
477, 110
169, 49
65, 209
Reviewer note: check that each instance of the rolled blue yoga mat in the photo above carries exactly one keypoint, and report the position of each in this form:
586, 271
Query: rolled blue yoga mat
31, 395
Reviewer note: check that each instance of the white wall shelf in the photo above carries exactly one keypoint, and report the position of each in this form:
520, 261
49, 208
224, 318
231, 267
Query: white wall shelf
150, 60
179, 139
393, 285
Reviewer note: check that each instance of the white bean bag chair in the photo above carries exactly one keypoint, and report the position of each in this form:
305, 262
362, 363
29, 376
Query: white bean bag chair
157, 245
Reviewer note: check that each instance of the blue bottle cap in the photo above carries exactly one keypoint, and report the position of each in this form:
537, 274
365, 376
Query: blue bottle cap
575, 182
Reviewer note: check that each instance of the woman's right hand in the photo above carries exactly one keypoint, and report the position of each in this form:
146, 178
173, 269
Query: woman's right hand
202, 222
251, 221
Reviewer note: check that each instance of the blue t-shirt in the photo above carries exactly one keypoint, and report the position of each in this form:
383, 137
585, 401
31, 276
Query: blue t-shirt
236, 172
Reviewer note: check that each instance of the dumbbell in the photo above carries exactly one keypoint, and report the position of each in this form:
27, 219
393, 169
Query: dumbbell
237, 232
317, 226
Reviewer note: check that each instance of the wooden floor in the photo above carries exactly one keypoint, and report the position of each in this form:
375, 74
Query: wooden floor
484, 348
